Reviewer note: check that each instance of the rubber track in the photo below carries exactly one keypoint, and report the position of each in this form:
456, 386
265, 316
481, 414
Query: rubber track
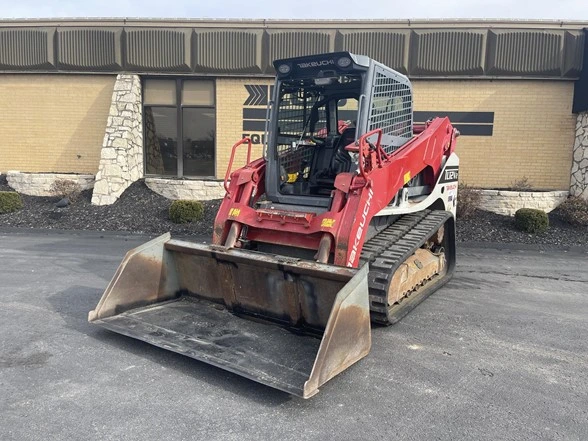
389, 248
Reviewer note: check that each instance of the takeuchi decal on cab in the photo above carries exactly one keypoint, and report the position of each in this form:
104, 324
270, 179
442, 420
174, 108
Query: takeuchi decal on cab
316, 64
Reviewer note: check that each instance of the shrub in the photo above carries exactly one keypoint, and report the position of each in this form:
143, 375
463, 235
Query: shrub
65, 188
521, 185
9, 201
468, 201
182, 211
575, 211
531, 220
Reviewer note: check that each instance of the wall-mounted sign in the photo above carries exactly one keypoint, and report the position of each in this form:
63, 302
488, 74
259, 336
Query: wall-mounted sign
255, 114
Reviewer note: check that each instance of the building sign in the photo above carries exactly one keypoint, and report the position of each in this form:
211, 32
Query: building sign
258, 95
468, 123
255, 115
255, 112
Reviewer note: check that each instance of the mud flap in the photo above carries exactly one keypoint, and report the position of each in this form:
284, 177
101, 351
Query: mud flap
287, 323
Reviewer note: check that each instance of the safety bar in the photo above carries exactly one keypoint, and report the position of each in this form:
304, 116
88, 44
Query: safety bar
233, 151
367, 150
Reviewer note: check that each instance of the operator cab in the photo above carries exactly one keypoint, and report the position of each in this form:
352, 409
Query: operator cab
321, 105
315, 124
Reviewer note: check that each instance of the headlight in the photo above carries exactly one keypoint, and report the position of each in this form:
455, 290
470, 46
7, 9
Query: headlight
284, 68
344, 62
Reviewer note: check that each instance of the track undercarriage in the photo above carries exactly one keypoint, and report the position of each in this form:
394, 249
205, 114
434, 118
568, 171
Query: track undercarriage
408, 260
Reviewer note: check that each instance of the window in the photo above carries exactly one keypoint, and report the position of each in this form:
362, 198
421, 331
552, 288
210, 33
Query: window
179, 109
312, 125
302, 118
347, 113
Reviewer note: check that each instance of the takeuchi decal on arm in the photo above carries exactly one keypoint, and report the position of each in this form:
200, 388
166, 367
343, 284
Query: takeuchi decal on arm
358, 237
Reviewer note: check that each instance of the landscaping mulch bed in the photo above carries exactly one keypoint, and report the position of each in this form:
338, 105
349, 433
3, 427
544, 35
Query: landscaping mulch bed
485, 226
139, 210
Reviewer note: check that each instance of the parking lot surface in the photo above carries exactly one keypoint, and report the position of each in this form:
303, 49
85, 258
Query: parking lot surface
499, 353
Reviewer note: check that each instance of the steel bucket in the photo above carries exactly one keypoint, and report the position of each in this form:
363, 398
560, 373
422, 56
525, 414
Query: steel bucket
286, 323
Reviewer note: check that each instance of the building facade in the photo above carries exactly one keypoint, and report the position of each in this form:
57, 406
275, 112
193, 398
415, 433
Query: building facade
166, 100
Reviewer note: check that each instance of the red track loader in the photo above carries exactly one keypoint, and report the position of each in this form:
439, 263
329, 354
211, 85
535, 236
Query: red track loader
347, 219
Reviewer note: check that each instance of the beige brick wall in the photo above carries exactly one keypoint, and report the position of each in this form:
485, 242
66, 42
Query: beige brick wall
533, 127
53, 123
230, 96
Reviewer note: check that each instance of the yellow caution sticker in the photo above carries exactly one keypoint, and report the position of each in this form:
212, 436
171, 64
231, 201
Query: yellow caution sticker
328, 223
234, 212
292, 177
406, 177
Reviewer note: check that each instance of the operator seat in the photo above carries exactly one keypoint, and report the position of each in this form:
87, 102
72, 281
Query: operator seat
324, 154
334, 160
341, 161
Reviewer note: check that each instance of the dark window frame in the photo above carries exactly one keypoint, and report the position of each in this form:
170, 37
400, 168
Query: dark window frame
180, 126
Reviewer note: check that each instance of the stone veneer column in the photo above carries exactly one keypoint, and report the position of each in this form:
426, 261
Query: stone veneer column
579, 181
121, 159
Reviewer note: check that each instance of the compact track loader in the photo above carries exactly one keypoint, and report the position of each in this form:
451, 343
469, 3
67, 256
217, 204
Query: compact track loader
347, 219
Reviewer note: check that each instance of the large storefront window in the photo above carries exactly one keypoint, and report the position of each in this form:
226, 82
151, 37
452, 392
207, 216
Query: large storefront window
179, 110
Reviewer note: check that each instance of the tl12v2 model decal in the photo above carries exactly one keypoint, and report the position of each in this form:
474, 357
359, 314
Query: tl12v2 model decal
450, 174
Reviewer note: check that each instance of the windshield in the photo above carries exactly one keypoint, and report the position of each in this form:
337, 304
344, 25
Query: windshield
308, 127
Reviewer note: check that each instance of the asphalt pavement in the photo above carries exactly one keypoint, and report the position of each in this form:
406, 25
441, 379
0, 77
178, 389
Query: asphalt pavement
499, 353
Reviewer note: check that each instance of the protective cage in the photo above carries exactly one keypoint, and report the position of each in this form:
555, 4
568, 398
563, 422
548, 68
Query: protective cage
390, 107
384, 102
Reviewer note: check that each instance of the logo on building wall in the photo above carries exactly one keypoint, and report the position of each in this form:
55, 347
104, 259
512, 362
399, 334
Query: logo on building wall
255, 112
255, 115
468, 123
258, 95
